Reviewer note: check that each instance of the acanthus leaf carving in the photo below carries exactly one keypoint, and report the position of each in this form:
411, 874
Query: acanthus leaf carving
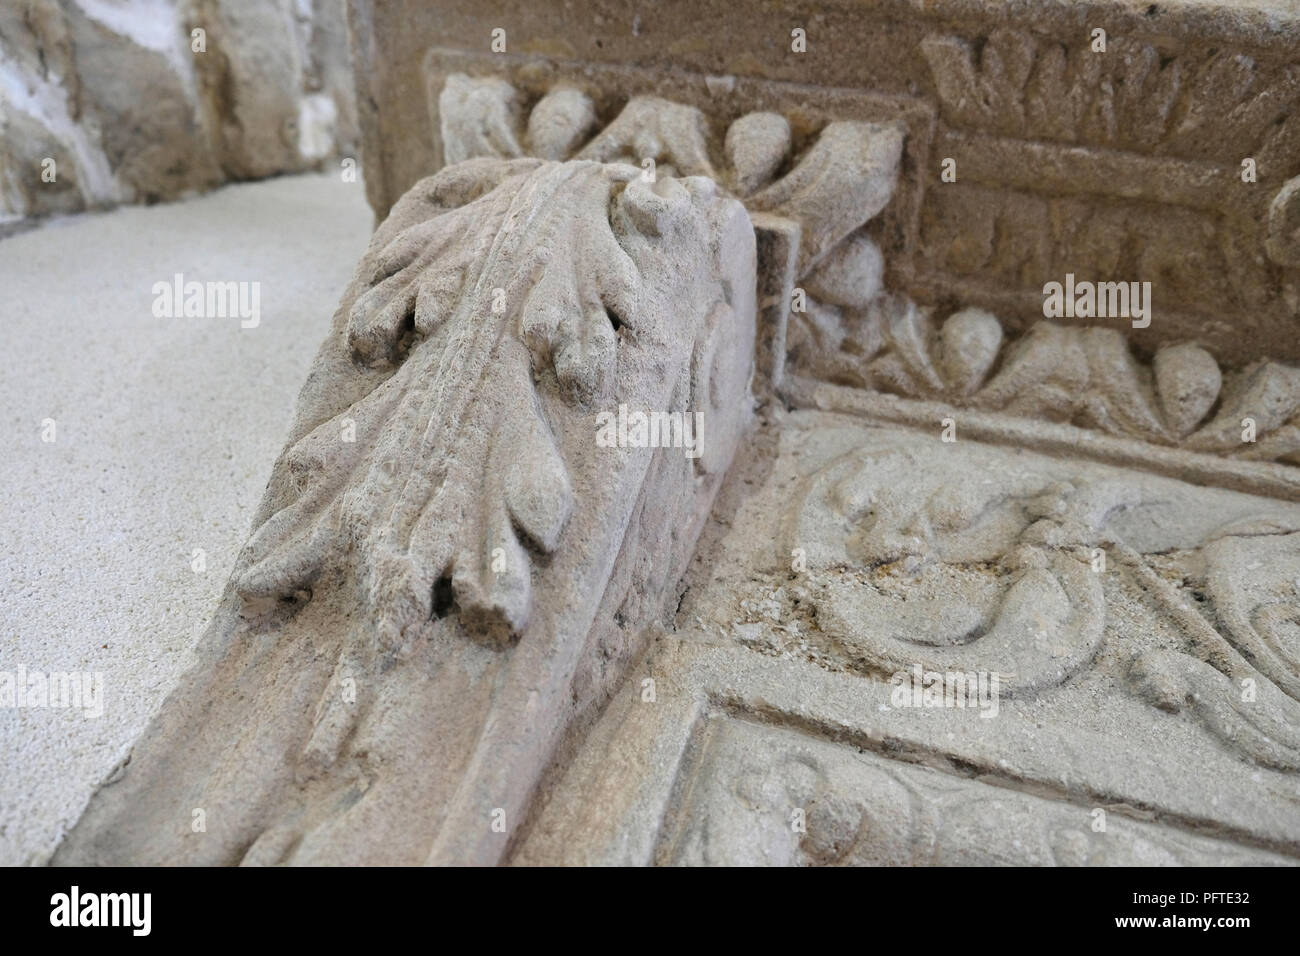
510, 272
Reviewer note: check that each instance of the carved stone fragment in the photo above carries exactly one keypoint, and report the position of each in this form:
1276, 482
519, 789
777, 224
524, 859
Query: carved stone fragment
694, 474
445, 543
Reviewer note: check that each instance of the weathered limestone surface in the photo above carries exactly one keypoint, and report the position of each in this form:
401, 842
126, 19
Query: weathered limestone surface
772, 684
450, 573
1106, 165
974, 586
129, 111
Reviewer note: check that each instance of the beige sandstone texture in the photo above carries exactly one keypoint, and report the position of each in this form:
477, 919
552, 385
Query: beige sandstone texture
939, 576
118, 97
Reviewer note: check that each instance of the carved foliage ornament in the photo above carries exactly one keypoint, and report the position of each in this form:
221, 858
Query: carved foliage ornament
445, 535
1196, 104
1085, 376
841, 181
511, 299
847, 329
1002, 569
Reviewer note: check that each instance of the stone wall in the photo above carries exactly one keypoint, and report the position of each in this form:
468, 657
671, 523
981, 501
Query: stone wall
105, 102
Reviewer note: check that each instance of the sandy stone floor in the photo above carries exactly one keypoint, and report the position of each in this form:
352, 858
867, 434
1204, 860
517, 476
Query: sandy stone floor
165, 430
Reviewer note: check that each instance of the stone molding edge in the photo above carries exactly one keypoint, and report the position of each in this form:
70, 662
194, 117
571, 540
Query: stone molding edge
1268, 479
701, 683
1174, 404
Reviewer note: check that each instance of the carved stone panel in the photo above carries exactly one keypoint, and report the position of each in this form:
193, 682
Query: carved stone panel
1125, 649
1112, 163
